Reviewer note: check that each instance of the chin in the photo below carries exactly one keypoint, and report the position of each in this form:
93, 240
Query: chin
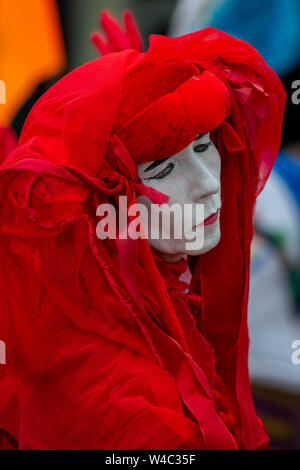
212, 237
211, 240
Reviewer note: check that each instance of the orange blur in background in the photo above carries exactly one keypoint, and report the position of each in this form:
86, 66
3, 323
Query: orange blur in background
32, 50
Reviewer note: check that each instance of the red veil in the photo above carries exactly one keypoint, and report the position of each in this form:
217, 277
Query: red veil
105, 349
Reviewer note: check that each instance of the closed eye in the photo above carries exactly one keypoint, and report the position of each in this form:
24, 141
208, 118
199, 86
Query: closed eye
163, 173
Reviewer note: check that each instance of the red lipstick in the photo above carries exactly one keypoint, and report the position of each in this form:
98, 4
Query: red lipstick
211, 219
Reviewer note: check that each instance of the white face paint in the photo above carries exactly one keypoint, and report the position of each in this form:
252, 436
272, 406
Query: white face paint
192, 176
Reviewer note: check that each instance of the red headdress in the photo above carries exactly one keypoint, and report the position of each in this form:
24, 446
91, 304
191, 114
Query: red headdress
106, 350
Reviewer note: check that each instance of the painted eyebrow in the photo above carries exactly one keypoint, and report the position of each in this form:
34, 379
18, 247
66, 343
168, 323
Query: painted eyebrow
199, 136
156, 163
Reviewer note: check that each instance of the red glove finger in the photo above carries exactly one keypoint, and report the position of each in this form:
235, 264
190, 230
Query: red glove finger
116, 37
100, 45
133, 31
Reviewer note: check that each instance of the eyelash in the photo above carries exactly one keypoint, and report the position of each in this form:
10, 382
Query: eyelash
203, 147
166, 171
162, 173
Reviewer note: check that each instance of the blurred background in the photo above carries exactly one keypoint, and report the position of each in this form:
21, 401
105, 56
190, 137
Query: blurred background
41, 40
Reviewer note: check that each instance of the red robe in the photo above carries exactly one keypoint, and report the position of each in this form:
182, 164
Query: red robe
105, 349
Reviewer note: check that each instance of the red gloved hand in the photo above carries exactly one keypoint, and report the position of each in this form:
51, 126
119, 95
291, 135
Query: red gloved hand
116, 39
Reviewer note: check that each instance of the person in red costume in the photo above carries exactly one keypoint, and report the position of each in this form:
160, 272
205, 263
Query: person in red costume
108, 346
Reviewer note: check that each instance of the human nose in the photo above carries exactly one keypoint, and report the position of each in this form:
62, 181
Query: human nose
203, 182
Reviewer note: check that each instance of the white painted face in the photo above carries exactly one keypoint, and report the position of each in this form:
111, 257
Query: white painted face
192, 176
